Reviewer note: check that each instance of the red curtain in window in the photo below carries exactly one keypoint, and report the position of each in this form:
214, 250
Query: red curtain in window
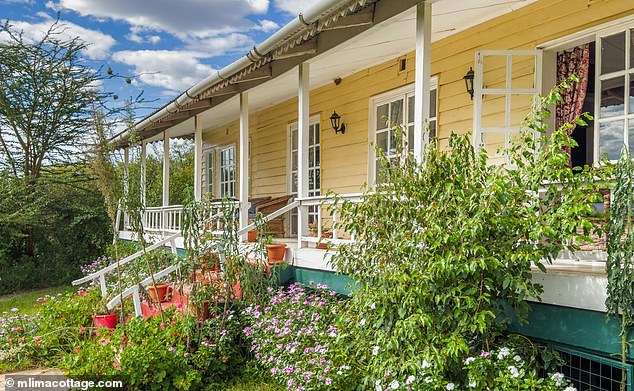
569, 62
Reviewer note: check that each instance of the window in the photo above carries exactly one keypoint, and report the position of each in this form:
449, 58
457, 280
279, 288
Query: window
314, 167
228, 172
398, 107
506, 81
615, 106
210, 173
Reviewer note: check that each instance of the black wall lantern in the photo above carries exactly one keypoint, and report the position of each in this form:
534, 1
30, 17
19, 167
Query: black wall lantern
468, 80
335, 120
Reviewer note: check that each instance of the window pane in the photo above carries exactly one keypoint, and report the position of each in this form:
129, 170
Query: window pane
381, 116
432, 129
432, 103
631, 93
410, 109
294, 138
316, 129
381, 140
410, 138
613, 53
317, 156
396, 112
294, 183
294, 160
612, 97
611, 139
631, 48
311, 157
392, 142
311, 179
317, 181
311, 136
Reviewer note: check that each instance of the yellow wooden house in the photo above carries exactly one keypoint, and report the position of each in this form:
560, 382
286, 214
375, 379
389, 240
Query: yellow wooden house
298, 117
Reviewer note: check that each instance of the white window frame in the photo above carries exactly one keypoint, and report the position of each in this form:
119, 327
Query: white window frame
231, 184
508, 91
313, 120
403, 93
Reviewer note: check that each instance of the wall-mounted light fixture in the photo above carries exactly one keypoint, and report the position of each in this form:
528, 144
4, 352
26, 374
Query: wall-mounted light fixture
468, 80
335, 121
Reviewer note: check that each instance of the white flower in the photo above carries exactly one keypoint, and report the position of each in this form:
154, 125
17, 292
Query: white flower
362, 322
472, 383
450, 386
514, 372
570, 388
425, 364
503, 353
372, 306
428, 380
332, 334
410, 380
394, 384
378, 387
517, 358
469, 360
558, 378
375, 350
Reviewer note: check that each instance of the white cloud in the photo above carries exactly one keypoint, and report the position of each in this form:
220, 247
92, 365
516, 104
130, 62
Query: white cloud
185, 19
139, 35
266, 26
217, 46
293, 7
171, 70
99, 44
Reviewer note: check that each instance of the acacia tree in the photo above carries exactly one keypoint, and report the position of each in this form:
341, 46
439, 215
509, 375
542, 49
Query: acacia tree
47, 94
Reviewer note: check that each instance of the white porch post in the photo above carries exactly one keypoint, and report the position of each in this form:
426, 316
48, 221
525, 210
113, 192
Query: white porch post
244, 161
166, 177
303, 113
422, 78
198, 159
126, 182
143, 171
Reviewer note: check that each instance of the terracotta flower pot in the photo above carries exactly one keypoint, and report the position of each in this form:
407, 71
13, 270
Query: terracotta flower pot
323, 245
158, 293
252, 236
276, 253
108, 321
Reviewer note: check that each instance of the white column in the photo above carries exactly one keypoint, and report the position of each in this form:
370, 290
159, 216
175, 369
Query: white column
126, 182
244, 161
198, 159
166, 167
303, 114
422, 78
143, 171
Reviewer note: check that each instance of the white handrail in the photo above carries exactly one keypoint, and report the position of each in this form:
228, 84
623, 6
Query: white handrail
134, 289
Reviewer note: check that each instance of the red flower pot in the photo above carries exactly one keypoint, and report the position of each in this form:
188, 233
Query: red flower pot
252, 236
108, 321
323, 245
158, 293
276, 253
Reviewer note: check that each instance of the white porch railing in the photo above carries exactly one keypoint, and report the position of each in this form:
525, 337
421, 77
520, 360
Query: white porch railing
325, 218
154, 219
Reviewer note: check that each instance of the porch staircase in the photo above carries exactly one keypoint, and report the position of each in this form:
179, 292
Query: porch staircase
178, 299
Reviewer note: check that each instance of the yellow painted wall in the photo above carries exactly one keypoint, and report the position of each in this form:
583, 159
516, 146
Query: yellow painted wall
344, 157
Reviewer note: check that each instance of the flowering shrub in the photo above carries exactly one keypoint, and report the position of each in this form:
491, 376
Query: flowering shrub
61, 321
293, 336
149, 353
504, 369
17, 332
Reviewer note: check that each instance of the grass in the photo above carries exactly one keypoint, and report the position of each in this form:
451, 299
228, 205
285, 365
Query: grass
25, 301
253, 381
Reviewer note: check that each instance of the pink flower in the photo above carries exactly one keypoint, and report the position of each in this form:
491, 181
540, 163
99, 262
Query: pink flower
484, 353
77, 348
171, 349
162, 325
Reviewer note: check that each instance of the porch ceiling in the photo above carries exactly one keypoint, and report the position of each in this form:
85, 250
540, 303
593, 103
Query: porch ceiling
377, 44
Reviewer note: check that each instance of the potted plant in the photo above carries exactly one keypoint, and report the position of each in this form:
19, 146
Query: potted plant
275, 252
252, 236
326, 233
159, 293
103, 317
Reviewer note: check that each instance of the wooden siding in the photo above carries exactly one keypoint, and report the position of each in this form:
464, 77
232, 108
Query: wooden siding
344, 158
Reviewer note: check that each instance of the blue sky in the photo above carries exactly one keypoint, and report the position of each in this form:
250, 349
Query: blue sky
169, 45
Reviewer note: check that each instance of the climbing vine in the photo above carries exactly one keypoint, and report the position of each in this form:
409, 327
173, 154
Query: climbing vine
620, 247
